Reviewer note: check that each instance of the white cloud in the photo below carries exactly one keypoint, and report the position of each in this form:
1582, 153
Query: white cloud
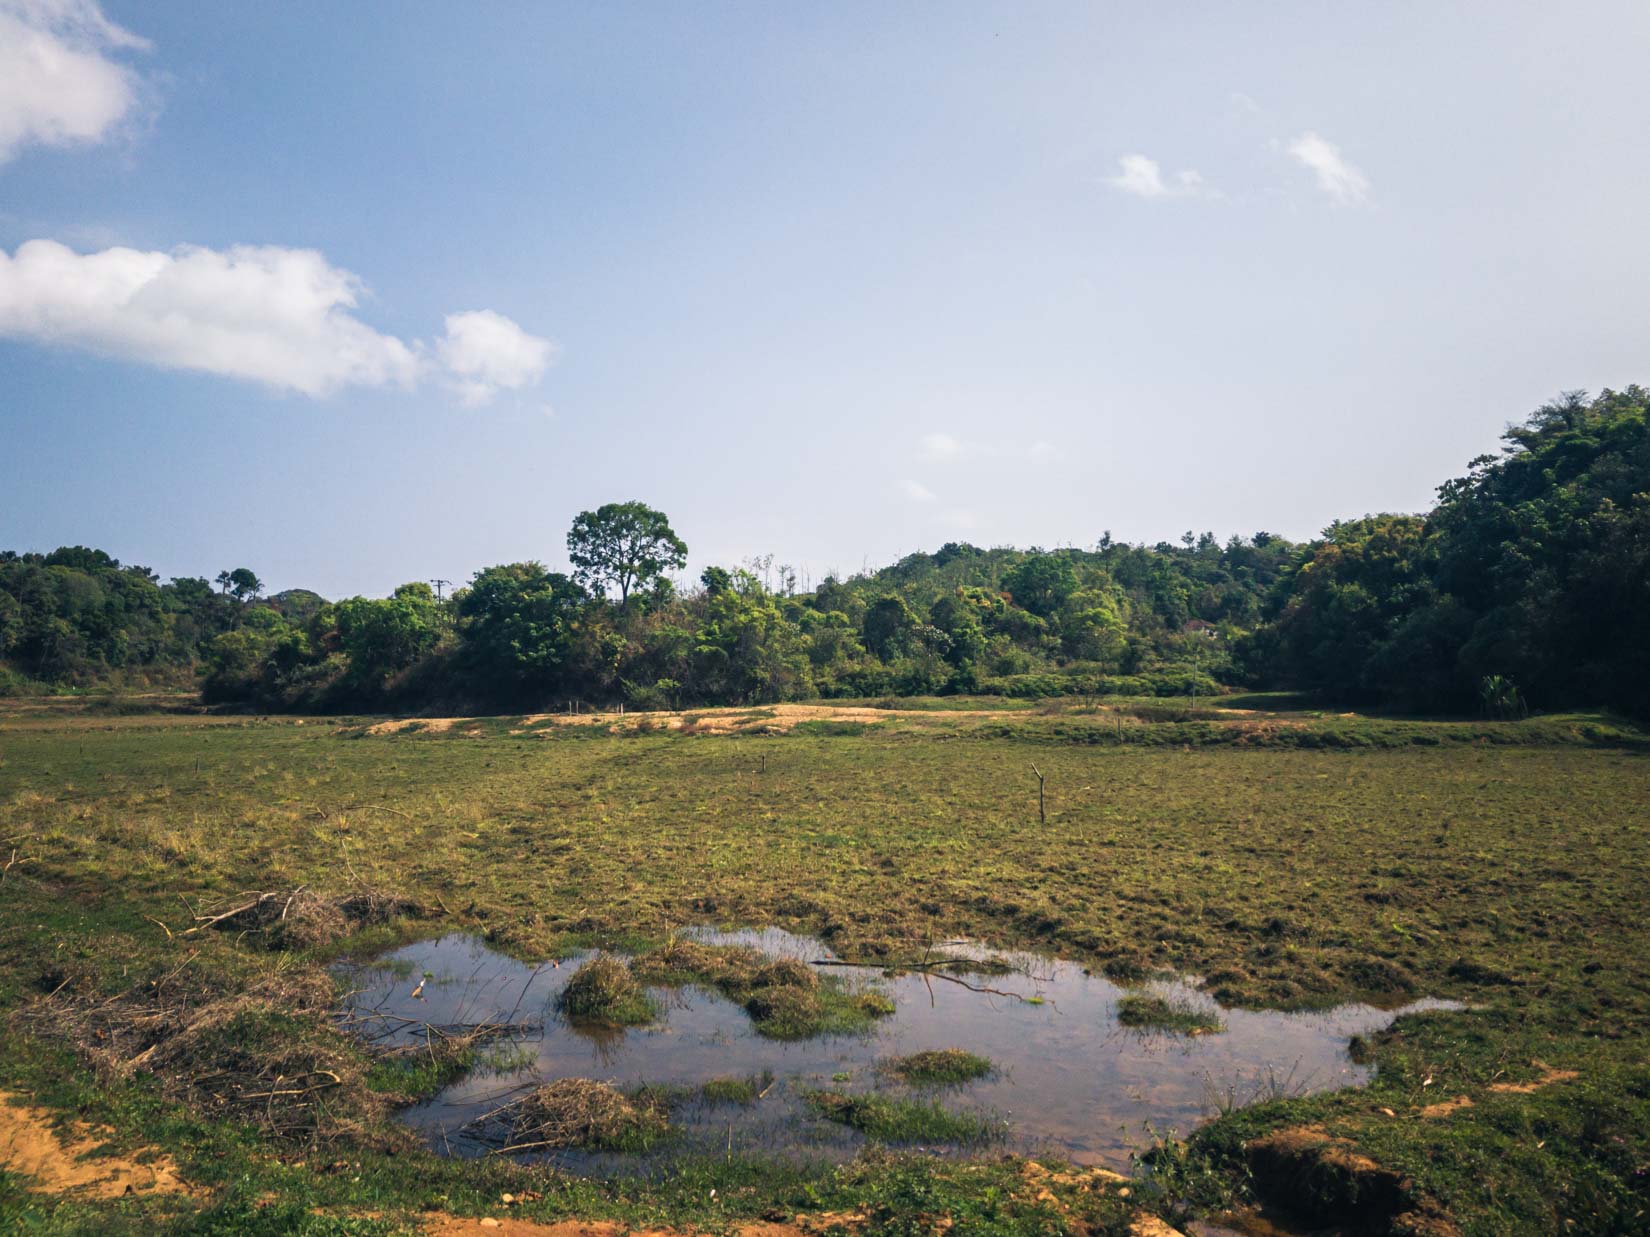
1143, 177
1337, 176
266, 314
940, 446
916, 491
58, 85
485, 352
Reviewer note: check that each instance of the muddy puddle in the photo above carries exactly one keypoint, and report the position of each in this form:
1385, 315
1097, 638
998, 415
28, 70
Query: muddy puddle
1070, 1079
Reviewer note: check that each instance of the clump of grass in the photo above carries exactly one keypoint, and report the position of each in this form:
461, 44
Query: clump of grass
887, 1119
736, 1090
875, 1004
785, 997
786, 1013
683, 961
939, 1067
1157, 1013
578, 1112
786, 973
605, 991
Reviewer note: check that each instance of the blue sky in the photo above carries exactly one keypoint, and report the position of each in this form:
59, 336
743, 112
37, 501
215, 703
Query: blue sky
358, 294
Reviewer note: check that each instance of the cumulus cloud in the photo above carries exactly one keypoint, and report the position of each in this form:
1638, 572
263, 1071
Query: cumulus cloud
1337, 176
58, 83
484, 353
1143, 177
282, 317
916, 491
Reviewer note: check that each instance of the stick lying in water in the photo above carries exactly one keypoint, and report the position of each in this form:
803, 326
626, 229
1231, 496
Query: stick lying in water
927, 971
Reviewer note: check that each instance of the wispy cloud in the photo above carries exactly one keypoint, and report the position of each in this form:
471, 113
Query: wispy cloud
941, 446
262, 313
1337, 175
916, 491
59, 85
1143, 177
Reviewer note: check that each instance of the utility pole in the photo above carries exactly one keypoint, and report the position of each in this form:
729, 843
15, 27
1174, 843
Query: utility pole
439, 584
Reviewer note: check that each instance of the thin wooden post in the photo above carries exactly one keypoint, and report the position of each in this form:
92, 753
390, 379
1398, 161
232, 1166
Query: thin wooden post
1042, 817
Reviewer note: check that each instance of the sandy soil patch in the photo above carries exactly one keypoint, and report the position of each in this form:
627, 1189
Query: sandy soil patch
429, 725
1444, 1108
30, 1146
508, 1226
1549, 1076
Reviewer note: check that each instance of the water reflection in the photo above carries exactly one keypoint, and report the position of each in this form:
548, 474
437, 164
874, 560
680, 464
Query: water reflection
1070, 1080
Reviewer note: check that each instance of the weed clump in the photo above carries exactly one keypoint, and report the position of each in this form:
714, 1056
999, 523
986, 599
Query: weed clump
605, 991
785, 1012
786, 973
683, 961
904, 1122
736, 1090
785, 997
940, 1067
578, 1112
1157, 1013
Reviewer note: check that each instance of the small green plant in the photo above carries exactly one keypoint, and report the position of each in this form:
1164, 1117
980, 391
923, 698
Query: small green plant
1157, 1013
939, 1067
903, 1122
736, 1090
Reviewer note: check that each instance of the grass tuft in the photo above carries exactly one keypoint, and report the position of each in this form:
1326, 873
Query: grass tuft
604, 991
903, 1122
939, 1067
1155, 1013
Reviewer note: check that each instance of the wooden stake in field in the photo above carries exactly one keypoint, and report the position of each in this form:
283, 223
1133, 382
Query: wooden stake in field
1042, 818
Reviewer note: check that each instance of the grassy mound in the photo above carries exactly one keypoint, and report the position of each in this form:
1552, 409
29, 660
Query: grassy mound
605, 991
578, 1112
939, 1067
1155, 1013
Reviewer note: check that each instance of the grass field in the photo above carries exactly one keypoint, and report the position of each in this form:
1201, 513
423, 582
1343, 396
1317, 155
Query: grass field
1289, 859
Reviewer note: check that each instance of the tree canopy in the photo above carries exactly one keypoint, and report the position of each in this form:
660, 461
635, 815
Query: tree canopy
627, 546
1528, 585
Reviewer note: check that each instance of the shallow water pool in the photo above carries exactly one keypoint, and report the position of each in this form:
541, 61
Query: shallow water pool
1069, 1080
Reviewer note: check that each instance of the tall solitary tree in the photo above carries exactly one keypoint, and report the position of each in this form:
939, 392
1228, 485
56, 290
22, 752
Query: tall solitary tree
627, 546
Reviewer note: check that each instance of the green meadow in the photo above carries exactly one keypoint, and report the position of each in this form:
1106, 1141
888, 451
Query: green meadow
1288, 859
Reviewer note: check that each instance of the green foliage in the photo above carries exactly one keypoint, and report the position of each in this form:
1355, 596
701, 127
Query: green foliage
1041, 583
905, 1122
1528, 586
938, 1067
627, 546
1534, 568
1155, 1013
519, 624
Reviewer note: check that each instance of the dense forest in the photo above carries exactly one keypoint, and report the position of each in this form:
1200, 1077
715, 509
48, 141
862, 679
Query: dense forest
1528, 585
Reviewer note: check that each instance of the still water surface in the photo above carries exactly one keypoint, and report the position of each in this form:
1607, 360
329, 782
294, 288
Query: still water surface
1070, 1080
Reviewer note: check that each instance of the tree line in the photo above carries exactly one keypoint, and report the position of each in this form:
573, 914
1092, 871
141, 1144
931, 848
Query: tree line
1528, 584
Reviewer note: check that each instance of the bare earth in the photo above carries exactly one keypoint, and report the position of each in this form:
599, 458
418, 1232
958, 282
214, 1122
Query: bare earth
31, 1147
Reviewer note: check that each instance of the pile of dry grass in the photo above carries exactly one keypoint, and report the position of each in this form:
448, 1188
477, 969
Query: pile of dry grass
267, 1054
303, 919
578, 1112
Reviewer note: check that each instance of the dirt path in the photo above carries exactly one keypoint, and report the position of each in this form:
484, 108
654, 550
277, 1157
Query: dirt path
29, 1145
